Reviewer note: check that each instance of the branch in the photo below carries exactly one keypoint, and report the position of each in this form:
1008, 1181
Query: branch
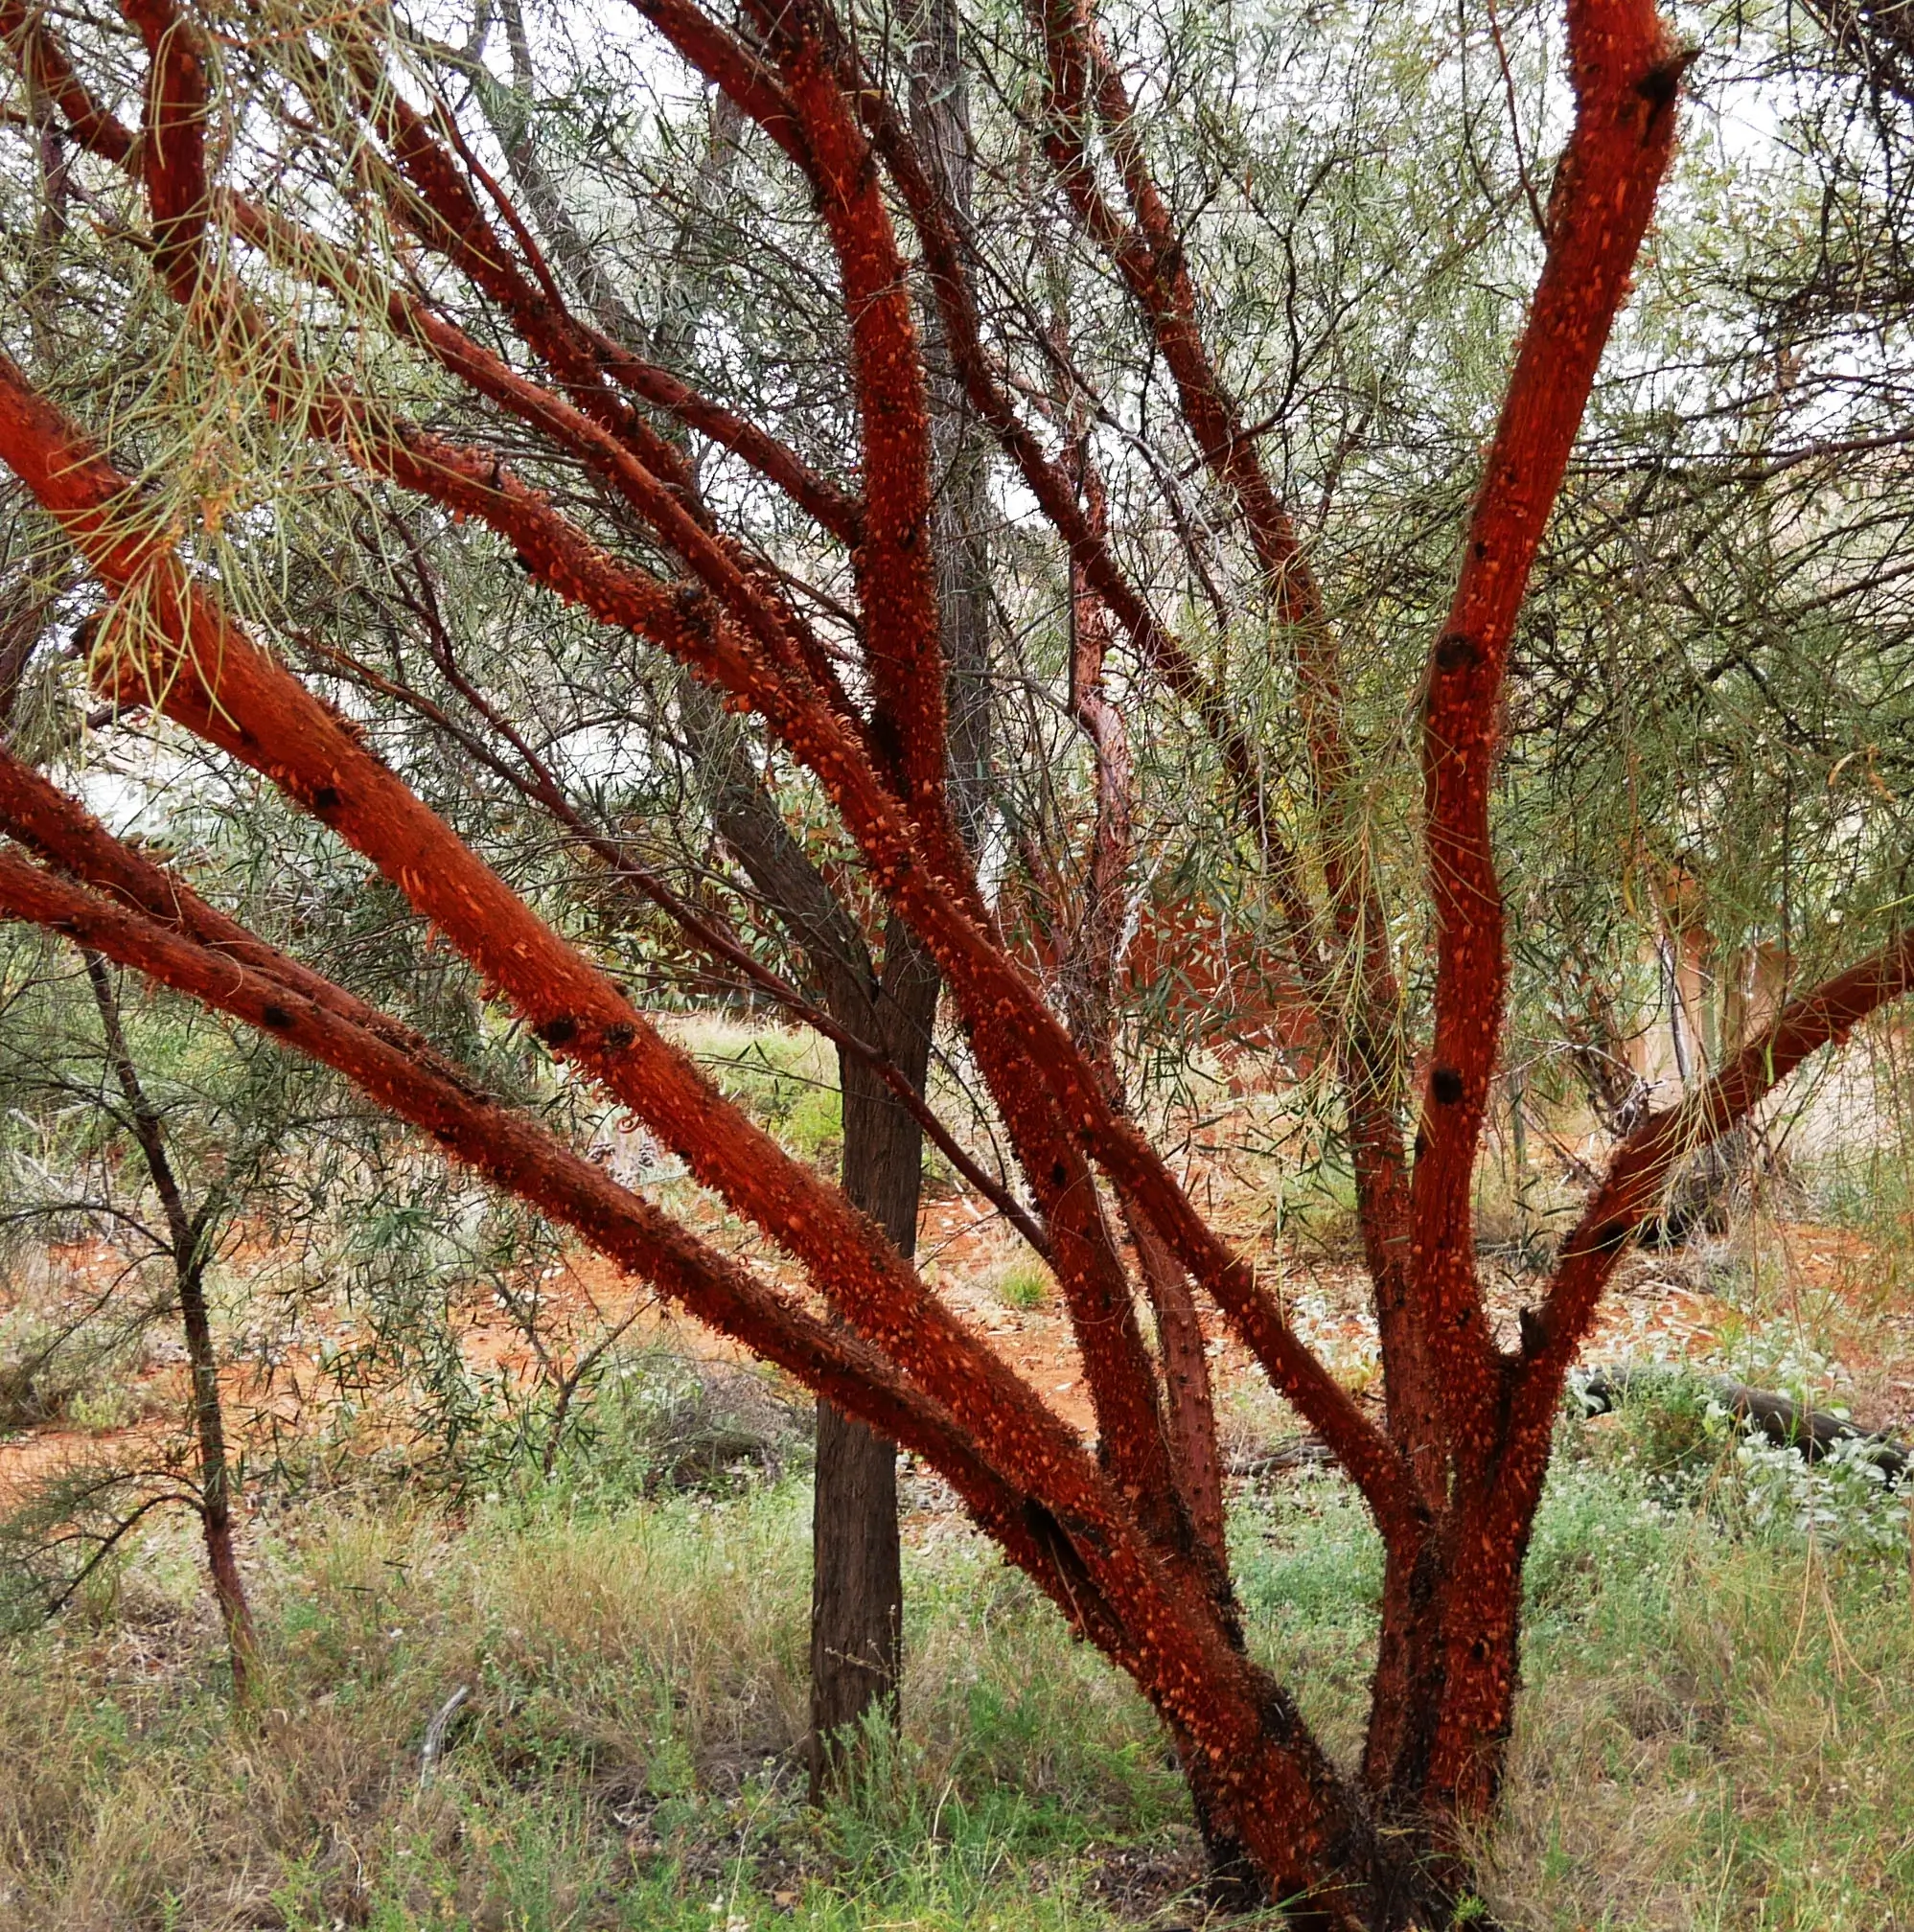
577, 350
903, 645
1640, 1167
1087, 1561
895, 574
1626, 76
536, 781
520, 1156
266, 719
720, 566
46, 69
41, 816
1148, 253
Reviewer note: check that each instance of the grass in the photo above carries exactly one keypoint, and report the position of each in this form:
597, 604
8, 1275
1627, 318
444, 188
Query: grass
631, 1753
1716, 1732
787, 1081
1024, 1283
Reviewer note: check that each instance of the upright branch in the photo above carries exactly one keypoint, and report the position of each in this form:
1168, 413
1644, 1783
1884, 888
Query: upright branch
1088, 968
895, 566
1626, 73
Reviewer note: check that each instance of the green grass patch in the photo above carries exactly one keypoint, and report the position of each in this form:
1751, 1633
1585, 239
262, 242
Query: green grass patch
1714, 1732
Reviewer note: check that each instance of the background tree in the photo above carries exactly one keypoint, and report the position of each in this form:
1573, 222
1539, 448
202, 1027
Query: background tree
161, 1169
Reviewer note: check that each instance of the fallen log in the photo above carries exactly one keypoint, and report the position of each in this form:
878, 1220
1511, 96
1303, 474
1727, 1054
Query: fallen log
1297, 1452
1813, 1433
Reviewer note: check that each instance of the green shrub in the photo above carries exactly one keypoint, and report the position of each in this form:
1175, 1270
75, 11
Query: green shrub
1024, 1283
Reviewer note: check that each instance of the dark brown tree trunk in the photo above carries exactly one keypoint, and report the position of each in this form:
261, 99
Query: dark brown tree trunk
857, 1582
857, 1590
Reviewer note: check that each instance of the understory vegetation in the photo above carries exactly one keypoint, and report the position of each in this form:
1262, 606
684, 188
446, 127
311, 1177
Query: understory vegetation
1716, 1732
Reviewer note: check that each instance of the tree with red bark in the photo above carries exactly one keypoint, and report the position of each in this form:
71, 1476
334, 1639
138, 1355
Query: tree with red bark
355, 287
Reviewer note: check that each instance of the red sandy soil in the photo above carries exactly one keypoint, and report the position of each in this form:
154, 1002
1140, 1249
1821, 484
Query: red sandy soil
1820, 1280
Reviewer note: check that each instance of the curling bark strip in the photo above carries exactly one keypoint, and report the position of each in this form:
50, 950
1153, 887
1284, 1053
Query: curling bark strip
1625, 74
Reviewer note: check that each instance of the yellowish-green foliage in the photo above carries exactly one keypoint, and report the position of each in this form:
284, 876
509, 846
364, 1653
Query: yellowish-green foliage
1024, 1283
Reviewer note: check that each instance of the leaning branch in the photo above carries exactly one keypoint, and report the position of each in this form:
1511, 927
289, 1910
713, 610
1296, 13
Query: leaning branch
528, 1162
1631, 1190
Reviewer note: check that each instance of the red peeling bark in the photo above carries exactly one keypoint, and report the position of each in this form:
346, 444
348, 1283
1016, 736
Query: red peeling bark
1626, 74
